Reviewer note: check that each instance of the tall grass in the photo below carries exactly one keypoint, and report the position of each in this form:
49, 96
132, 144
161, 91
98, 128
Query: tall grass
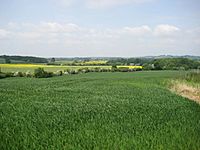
193, 76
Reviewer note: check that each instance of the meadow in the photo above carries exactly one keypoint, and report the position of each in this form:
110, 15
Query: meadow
132, 110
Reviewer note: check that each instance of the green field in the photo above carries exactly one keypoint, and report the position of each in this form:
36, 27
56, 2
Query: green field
97, 111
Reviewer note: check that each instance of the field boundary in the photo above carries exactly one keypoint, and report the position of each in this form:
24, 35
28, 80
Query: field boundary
184, 89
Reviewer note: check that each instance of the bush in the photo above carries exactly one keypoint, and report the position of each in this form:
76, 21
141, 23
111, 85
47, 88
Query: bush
71, 71
84, 70
18, 74
40, 73
28, 74
104, 70
58, 73
9, 74
123, 69
2, 75
97, 69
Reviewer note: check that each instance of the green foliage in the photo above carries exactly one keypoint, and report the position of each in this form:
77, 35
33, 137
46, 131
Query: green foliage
18, 74
71, 71
158, 64
52, 60
123, 69
40, 73
97, 111
193, 77
2, 75
175, 64
84, 70
23, 59
129, 61
7, 60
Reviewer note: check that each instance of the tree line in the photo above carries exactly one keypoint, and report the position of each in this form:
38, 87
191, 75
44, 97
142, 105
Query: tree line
23, 59
159, 64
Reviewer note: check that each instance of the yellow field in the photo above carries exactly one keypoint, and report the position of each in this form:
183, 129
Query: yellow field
132, 67
27, 66
99, 62
31, 67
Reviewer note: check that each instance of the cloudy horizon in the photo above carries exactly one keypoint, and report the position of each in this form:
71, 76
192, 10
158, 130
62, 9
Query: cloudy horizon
92, 28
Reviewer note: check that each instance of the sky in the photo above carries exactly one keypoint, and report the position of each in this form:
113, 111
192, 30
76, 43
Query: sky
104, 28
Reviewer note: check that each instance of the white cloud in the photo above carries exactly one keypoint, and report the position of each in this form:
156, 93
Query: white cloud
56, 27
69, 36
139, 31
4, 33
166, 30
29, 35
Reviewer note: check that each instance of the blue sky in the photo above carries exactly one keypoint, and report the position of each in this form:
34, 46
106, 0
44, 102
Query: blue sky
99, 27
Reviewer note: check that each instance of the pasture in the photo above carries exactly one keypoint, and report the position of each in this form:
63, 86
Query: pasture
97, 111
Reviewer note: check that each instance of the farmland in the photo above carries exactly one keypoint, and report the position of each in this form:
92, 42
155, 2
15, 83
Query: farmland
97, 111
31, 67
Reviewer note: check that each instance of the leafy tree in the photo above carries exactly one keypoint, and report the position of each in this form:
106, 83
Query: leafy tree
52, 60
40, 73
7, 60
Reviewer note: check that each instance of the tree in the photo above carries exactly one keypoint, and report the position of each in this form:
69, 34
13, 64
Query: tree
40, 73
52, 60
7, 60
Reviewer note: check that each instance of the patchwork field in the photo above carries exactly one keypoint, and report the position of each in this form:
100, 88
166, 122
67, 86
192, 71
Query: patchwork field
51, 68
97, 111
32, 67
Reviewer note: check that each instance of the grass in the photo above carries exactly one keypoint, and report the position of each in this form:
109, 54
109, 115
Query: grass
193, 77
97, 111
187, 86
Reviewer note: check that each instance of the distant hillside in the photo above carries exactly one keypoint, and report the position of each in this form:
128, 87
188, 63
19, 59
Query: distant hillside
172, 56
22, 59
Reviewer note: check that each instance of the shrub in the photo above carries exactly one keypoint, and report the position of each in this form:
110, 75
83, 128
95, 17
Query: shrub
104, 70
2, 75
18, 74
58, 73
28, 74
71, 71
123, 69
84, 70
9, 74
40, 73
66, 73
97, 69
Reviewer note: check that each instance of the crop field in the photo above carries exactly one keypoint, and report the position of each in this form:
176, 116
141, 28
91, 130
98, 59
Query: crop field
31, 67
132, 110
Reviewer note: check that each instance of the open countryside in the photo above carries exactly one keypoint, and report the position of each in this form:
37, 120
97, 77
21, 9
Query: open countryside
100, 75
97, 110
59, 106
